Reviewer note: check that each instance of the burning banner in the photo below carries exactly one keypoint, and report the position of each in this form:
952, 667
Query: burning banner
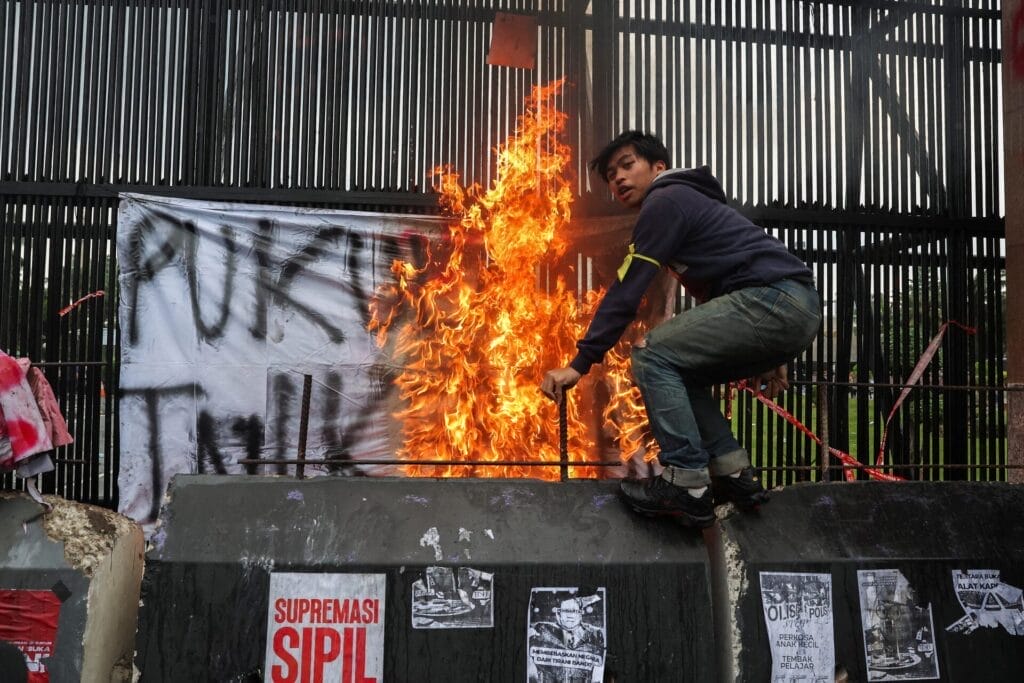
446, 325
476, 326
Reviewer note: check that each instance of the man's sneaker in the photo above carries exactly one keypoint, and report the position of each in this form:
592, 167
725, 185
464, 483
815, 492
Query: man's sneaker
655, 496
745, 490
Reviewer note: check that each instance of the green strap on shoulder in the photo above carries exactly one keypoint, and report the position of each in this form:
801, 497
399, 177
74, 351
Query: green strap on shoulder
624, 268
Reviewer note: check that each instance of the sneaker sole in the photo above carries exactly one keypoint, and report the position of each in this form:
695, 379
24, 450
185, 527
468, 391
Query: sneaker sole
684, 518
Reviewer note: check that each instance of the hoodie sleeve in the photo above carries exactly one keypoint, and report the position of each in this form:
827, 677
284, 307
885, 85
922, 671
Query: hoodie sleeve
615, 312
656, 237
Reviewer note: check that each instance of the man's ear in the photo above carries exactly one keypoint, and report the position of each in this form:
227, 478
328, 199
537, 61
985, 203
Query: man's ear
659, 166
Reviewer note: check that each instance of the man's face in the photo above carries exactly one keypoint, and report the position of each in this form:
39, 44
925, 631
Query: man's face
569, 614
629, 175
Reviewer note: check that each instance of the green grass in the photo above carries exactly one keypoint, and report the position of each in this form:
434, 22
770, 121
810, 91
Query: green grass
929, 446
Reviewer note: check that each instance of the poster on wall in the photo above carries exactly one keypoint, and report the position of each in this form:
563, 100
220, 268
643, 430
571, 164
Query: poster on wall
28, 620
453, 597
899, 634
987, 602
566, 635
325, 627
798, 614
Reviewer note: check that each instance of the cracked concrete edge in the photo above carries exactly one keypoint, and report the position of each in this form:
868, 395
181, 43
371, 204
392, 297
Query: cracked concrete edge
737, 586
108, 549
113, 606
88, 533
729, 583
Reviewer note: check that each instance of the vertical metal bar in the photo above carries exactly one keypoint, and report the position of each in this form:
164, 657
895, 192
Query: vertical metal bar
331, 81
563, 436
276, 95
310, 45
263, 139
307, 386
7, 85
193, 97
767, 85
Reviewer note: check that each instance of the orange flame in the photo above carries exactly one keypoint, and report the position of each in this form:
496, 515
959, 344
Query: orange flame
477, 335
625, 417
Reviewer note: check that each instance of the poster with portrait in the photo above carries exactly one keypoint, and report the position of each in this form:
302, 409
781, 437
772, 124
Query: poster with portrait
798, 615
566, 635
899, 634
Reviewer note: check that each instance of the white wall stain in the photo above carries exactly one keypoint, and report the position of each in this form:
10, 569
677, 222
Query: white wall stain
432, 539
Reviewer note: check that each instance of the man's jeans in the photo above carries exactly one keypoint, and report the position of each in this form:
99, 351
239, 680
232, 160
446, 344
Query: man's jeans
733, 336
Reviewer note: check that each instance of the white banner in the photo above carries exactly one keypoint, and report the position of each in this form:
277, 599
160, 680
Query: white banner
224, 308
798, 614
325, 627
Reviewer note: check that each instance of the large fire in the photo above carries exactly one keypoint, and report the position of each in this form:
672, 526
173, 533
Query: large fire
477, 328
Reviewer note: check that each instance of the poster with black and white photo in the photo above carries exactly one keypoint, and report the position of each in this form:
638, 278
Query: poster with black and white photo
567, 635
453, 597
899, 634
798, 614
987, 602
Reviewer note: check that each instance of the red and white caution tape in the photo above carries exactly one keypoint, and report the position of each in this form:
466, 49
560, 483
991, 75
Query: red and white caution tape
846, 458
75, 304
915, 375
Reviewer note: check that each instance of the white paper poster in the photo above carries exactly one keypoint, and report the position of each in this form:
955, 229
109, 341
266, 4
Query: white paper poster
987, 602
453, 597
567, 636
325, 627
798, 614
899, 635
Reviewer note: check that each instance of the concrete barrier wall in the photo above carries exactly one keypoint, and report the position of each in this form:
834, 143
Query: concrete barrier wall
82, 566
915, 581
472, 580
468, 580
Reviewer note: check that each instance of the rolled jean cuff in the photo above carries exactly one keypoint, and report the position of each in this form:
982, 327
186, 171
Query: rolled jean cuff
691, 479
724, 465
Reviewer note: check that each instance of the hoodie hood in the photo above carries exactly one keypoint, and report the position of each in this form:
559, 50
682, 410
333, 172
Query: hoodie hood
699, 178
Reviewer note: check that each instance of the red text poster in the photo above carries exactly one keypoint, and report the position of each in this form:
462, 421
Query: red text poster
325, 628
28, 620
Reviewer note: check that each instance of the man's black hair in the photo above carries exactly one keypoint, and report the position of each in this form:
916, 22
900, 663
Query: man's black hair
647, 147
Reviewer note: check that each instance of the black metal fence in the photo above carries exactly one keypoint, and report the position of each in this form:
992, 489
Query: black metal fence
867, 134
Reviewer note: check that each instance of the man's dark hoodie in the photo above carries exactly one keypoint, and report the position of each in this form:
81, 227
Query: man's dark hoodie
685, 225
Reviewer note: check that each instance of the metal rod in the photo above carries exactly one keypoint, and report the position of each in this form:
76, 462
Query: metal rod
451, 463
896, 385
603, 463
307, 386
823, 428
563, 435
